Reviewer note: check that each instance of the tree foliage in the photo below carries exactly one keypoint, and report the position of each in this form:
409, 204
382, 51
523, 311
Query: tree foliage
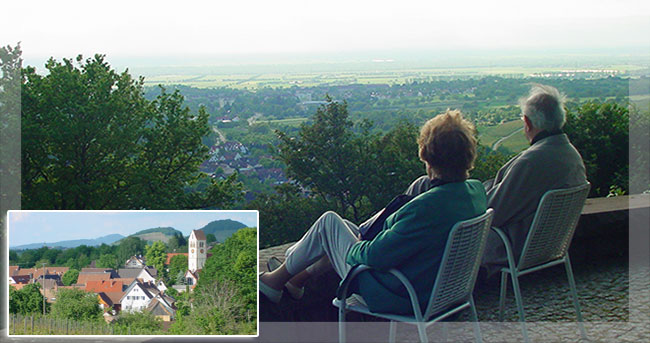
156, 256
128, 247
286, 214
600, 133
77, 305
220, 311
234, 261
26, 300
177, 265
353, 172
92, 141
143, 322
70, 277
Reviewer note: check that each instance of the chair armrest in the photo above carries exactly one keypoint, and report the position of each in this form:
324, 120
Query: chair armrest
342, 291
411, 291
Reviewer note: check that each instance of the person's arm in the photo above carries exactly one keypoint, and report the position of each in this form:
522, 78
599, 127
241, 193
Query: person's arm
409, 234
419, 186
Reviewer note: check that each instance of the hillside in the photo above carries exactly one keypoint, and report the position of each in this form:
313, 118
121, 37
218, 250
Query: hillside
157, 234
222, 229
109, 239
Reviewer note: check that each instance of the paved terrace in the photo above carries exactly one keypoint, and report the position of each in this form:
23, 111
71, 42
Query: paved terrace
613, 293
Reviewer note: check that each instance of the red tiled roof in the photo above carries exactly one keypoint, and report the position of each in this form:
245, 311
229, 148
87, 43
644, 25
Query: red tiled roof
170, 255
104, 286
37, 272
13, 270
85, 277
125, 281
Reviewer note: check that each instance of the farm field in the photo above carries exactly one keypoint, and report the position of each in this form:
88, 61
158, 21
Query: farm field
381, 75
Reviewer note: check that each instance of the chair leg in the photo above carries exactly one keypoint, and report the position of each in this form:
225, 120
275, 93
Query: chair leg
574, 293
422, 331
477, 327
502, 296
342, 323
520, 304
392, 331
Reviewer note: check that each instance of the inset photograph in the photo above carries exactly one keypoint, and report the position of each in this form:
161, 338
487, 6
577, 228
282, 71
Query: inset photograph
133, 273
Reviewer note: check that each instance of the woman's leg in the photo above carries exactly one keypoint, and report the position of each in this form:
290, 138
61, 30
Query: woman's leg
329, 236
321, 266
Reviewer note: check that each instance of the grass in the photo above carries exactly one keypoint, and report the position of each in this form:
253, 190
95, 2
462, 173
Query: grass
289, 122
490, 134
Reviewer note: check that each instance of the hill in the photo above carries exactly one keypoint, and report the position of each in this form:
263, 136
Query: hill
222, 229
157, 234
109, 239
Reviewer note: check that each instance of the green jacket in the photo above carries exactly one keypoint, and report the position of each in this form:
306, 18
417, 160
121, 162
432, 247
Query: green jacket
413, 241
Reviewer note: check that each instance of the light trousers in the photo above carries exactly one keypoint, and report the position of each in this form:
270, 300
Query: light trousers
330, 236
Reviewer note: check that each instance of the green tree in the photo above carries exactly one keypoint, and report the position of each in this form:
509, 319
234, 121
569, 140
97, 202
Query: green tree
139, 323
177, 264
128, 247
210, 238
233, 261
220, 311
600, 132
27, 300
107, 261
77, 305
488, 163
90, 140
286, 214
70, 277
156, 256
325, 158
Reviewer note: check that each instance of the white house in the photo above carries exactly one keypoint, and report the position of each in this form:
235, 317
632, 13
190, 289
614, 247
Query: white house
136, 297
161, 285
197, 250
139, 295
134, 262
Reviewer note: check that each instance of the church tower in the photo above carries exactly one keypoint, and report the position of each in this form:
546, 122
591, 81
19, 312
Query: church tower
197, 250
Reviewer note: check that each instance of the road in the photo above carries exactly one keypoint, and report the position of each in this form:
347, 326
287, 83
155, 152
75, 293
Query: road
497, 143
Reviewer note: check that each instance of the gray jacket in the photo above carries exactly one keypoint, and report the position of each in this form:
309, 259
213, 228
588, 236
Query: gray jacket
550, 163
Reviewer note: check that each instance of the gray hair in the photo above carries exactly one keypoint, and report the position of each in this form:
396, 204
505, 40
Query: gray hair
544, 107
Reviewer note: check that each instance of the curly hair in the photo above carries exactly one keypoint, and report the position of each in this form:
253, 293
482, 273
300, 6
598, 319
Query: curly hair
447, 143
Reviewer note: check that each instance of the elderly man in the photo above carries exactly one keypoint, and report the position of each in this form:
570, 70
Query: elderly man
551, 162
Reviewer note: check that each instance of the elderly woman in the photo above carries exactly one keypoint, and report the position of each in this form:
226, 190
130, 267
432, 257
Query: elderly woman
413, 238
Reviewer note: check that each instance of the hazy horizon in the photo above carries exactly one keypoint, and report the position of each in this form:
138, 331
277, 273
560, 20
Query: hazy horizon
56, 226
139, 34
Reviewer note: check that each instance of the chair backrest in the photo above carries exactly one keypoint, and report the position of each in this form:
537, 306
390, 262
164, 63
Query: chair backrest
460, 262
553, 226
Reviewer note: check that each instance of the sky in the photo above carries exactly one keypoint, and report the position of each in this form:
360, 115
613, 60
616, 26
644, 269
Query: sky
27, 227
123, 29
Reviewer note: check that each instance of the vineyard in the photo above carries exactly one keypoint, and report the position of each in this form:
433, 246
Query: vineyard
48, 325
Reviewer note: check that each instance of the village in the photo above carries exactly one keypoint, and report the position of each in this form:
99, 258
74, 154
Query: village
136, 287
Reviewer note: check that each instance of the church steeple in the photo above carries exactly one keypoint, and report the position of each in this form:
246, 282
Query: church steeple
197, 250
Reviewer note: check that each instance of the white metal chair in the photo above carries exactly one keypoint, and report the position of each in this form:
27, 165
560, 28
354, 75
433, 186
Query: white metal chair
547, 245
452, 289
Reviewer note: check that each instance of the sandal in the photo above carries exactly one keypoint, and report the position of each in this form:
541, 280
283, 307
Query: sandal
273, 294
